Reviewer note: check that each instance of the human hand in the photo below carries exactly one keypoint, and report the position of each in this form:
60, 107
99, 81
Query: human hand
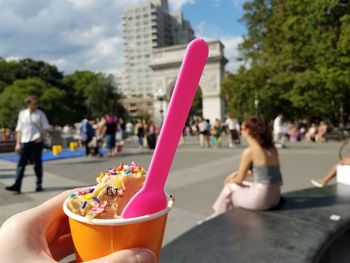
18, 147
231, 178
42, 235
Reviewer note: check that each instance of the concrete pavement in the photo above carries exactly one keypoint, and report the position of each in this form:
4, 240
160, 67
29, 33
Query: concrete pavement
195, 179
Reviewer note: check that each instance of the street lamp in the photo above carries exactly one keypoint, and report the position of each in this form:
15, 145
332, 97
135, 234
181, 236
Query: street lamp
160, 96
256, 103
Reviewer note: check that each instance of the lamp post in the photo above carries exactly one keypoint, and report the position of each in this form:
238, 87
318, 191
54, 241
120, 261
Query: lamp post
256, 104
160, 97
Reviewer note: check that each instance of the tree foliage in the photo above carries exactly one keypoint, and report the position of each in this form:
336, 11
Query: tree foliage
298, 57
65, 99
12, 98
94, 94
196, 108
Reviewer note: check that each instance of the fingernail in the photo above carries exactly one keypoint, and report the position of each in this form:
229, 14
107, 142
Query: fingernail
146, 256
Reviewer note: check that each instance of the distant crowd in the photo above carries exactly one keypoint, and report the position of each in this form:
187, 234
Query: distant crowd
211, 134
298, 131
111, 132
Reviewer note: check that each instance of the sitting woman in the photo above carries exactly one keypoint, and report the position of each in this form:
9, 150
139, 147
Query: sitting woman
321, 133
331, 174
259, 159
310, 135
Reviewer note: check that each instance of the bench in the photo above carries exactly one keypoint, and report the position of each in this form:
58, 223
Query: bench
309, 226
7, 146
335, 136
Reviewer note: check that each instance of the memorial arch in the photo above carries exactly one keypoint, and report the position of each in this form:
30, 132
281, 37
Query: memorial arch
166, 64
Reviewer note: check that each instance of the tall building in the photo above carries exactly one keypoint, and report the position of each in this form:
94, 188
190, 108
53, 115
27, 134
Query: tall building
146, 26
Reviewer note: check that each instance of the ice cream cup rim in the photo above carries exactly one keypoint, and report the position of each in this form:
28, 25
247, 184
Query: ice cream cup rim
119, 221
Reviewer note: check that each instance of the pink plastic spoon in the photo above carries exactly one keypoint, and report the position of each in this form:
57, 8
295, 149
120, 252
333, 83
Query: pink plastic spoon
151, 198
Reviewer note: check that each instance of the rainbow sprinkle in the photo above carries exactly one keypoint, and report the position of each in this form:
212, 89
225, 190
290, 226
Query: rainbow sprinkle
90, 202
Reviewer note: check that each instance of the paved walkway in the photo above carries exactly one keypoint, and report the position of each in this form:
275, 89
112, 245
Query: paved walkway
195, 180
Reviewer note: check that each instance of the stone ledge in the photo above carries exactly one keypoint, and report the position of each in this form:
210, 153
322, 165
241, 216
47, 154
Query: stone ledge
295, 232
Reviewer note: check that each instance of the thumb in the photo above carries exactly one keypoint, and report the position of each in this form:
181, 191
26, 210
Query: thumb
134, 255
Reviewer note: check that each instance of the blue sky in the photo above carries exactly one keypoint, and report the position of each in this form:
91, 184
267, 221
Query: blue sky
86, 34
221, 15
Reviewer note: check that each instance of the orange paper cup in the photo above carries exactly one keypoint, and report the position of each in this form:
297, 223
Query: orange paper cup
95, 238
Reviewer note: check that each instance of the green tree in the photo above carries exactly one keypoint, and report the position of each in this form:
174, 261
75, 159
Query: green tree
94, 94
197, 107
9, 72
29, 68
101, 97
79, 94
51, 101
76, 84
298, 55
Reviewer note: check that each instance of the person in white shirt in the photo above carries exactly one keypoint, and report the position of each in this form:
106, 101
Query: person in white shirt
32, 126
233, 126
278, 131
203, 126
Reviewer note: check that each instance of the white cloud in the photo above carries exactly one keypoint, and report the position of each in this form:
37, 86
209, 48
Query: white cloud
178, 4
232, 52
72, 34
79, 34
78, 4
13, 58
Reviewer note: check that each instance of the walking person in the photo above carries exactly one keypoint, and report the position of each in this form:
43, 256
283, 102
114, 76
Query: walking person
31, 129
110, 123
87, 134
216, 134
140, 132
129, 130
151, 136
207, 136
203, 132
232, 125
278, 131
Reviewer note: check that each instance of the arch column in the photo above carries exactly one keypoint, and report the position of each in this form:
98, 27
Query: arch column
166, 64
